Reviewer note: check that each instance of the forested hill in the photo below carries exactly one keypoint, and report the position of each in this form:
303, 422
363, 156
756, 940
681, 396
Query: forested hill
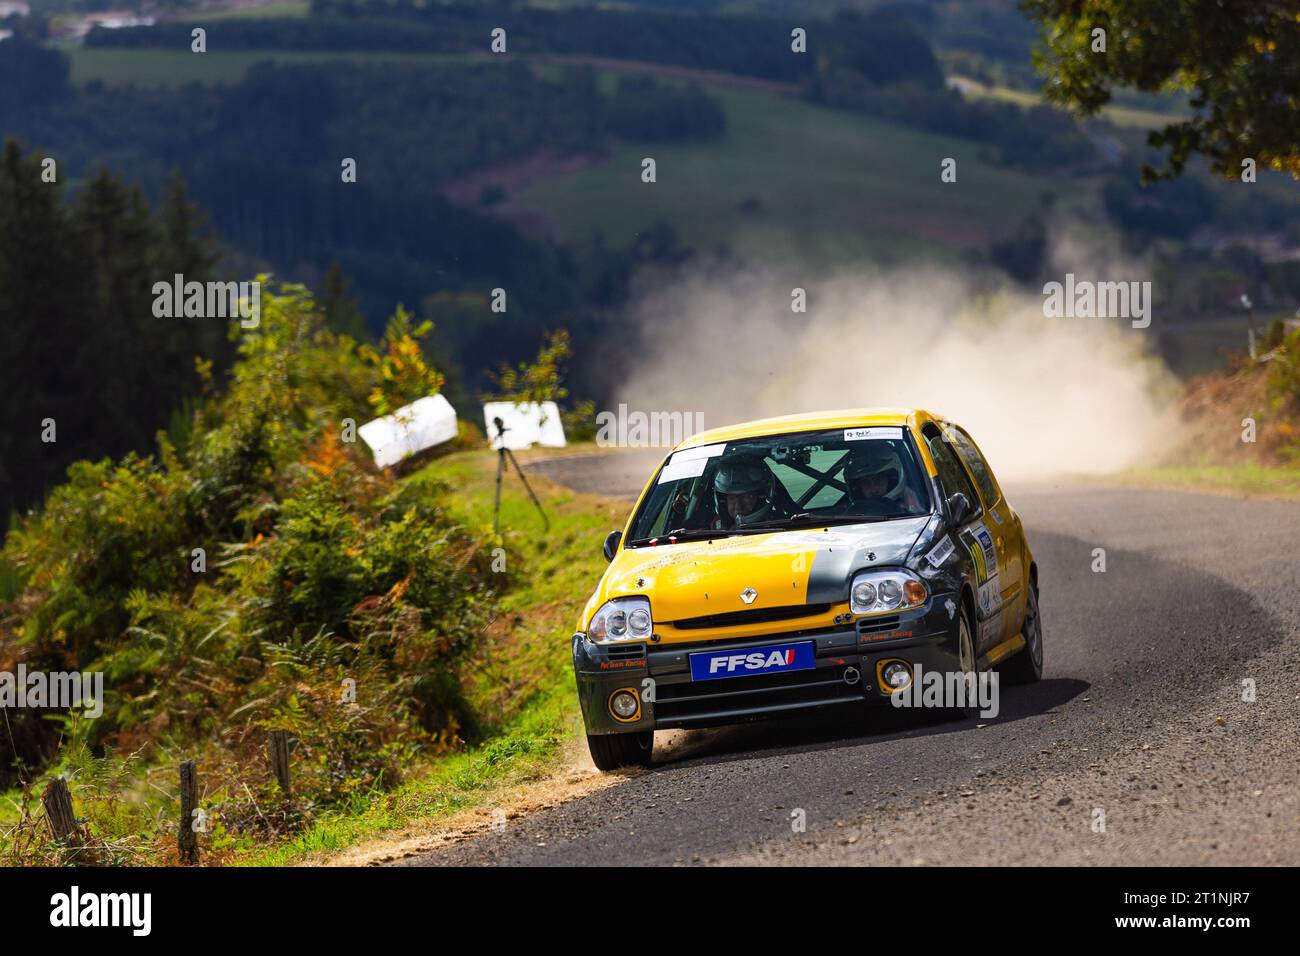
883, 48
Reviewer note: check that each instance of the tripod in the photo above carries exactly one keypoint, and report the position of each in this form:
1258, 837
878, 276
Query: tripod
504, 454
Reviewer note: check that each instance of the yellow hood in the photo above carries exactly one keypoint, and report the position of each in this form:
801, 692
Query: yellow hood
697, 578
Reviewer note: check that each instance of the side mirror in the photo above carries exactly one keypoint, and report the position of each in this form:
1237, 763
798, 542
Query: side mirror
958, 508
611, 544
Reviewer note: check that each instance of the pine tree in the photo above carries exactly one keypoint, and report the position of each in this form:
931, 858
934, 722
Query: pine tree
342, 314
44, 328
79, 342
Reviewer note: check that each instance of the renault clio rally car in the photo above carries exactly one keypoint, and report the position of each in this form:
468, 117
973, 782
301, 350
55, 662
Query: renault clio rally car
803, 562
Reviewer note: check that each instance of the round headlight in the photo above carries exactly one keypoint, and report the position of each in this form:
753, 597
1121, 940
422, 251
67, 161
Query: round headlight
891, 592
864, 594
617, 623
639, 621
623, 704
896, 675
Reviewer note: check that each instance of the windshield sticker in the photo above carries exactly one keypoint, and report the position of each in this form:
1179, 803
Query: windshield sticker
690, 462
676, 470
861, 434
700, 451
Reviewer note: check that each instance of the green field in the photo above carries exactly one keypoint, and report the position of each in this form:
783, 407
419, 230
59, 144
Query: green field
821, 185
1117, 113
279, 11
789, 180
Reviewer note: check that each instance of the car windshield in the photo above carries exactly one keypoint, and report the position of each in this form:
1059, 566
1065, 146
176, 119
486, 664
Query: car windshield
779, 482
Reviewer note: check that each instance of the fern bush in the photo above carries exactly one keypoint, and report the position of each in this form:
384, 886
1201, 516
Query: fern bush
264, 576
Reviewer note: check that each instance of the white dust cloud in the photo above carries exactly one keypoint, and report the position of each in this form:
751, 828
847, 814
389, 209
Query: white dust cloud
1041, 396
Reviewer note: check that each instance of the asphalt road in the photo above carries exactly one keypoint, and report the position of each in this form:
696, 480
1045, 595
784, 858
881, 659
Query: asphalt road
1139, 722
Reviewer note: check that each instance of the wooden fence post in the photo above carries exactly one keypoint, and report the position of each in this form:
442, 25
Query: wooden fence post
278, 754
187, 840
57, 800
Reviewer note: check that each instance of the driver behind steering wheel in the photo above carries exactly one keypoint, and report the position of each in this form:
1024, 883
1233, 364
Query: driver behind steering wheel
877, 482
743, 493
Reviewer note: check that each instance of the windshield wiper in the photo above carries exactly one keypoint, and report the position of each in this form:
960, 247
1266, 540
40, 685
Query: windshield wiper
683, 534
806, 520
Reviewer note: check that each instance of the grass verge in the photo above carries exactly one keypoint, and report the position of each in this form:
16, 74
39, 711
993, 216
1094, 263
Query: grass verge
1268, 481
518, 680
521, 680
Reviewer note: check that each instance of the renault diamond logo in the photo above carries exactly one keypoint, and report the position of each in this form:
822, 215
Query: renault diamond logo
748, 595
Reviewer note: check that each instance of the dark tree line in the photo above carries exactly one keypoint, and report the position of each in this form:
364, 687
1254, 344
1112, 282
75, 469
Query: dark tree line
264, 156
885, 49
79, 344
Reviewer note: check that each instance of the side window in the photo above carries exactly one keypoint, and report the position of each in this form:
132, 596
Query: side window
952, 475
977, 465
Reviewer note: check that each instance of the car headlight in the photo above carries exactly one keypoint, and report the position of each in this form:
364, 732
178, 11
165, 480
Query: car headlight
622, 619
873, 592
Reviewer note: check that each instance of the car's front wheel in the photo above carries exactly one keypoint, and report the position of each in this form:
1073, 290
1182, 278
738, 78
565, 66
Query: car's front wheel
612, 751
968, 665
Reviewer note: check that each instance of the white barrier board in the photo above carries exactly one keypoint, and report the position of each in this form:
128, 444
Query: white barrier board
527, 424
422, 424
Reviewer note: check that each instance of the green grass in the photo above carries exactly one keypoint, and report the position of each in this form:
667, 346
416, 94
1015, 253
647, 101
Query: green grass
520, 684
560, 570
1263, 480
289, 9
833, 187
1117, 113
526, 750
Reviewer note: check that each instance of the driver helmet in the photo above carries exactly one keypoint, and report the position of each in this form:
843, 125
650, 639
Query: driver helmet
741, 477
876, 459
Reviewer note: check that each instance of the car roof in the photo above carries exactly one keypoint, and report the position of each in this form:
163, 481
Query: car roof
810, 421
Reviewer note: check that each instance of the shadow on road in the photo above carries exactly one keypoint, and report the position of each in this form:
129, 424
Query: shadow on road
851, 726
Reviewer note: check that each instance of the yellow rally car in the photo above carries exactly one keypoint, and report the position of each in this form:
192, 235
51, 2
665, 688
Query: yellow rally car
803, 562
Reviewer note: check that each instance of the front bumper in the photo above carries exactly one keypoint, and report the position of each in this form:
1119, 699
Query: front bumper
660, 675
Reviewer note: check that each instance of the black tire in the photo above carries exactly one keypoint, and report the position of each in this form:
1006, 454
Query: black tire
967, 661
614, 751
1027, 666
